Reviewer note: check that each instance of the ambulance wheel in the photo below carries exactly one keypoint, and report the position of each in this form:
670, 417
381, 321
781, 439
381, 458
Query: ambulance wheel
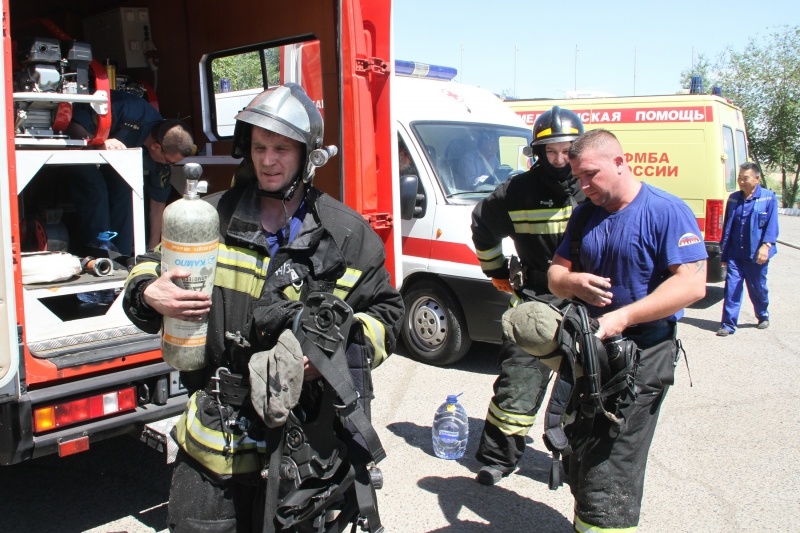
434, 329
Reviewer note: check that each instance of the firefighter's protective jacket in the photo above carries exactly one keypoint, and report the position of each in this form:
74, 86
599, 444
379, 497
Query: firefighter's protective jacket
255, 297
533, 209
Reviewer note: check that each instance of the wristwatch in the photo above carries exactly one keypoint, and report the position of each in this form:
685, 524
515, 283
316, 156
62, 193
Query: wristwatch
768, 244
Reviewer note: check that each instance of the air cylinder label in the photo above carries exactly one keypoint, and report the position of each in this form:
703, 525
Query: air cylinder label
200, 259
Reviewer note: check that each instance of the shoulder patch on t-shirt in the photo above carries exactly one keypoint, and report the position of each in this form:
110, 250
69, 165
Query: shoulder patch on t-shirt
687, 239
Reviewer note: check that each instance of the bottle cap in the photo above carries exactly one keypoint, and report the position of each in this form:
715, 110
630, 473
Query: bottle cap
453, 398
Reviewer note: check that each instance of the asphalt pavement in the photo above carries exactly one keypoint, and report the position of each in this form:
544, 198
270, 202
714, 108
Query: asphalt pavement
789, 229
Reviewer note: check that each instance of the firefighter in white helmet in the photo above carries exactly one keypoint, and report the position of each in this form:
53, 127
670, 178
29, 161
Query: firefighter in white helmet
286, 250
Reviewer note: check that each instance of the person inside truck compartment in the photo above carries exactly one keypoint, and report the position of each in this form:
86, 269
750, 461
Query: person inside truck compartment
532, 208
101, 197
750, 232
281, 241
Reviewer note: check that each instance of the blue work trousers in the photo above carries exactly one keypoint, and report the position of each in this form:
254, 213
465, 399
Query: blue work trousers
103, 202
755, 276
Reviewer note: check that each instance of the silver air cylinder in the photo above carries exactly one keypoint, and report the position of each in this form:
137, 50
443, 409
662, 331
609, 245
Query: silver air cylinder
189, 240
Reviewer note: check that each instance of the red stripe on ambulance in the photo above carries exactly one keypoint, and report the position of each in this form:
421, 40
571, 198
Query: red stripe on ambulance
635, 116
440, 250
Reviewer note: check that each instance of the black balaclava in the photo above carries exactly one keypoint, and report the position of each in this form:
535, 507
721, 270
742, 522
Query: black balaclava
559, 180
558, 174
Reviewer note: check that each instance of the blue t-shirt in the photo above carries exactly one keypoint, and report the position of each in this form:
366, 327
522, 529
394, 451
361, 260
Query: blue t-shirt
635, 246
275, 240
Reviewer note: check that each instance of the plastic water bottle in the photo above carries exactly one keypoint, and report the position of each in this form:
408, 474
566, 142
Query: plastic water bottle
106, 296
450, 429
103, 241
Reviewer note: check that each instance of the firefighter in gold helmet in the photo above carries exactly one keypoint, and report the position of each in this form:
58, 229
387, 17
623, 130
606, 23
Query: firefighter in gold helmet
532, 208
286, 251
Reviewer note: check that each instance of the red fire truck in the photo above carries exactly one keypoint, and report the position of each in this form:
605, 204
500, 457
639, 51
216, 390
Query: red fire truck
72, 370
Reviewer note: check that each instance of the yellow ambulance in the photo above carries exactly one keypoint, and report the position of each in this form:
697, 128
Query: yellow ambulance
687, 144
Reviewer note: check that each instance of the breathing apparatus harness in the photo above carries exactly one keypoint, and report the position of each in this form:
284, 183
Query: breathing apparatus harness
320, 467
608, 371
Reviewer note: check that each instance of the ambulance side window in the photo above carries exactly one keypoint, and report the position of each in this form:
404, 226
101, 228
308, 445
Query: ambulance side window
741, 147
730, 159
410, 184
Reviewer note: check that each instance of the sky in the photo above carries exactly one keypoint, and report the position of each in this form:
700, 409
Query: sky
533, 49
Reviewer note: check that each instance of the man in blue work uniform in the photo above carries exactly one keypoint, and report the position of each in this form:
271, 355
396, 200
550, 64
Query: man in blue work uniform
748, 243
101, 197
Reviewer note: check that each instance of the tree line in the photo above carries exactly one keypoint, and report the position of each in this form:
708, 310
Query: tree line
764, 81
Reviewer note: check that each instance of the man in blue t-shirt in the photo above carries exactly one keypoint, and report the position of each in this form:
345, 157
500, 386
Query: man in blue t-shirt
640, 262
101, 197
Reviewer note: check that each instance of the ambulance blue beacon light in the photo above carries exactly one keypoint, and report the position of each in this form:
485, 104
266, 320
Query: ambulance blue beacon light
423, 70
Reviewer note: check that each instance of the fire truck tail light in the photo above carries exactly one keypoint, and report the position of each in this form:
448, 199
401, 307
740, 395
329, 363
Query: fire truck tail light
83, 409
713, 220
44, 419
127, 399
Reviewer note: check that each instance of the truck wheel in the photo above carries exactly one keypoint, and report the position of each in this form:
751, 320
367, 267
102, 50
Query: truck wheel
434, 329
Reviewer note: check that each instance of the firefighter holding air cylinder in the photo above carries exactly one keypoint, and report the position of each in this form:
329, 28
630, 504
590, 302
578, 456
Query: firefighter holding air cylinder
301, 311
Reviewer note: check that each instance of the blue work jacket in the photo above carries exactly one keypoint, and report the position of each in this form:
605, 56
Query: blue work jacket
763, 222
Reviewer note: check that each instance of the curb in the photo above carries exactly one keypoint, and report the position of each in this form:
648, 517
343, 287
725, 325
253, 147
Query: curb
792, 213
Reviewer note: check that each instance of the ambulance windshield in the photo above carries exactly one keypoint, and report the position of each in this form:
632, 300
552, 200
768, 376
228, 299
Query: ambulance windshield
470, 160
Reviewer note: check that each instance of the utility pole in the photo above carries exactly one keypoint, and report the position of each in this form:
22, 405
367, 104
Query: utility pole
515, 69
575, 87
461, 69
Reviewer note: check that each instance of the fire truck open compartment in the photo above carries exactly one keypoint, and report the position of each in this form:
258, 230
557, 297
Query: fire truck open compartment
67, 363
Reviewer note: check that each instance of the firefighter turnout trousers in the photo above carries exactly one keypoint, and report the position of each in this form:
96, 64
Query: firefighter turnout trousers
203, 502
607, 467
518, 393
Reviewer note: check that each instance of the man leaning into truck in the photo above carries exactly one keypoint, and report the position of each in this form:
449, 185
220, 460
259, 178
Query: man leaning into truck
533, 209
101, 197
